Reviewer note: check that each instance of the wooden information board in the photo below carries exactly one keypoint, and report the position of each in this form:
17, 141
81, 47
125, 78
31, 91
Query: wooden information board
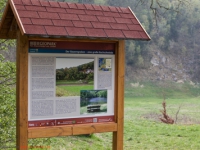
42, 127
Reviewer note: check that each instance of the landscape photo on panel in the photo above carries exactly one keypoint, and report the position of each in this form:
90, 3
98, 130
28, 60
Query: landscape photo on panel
73, 75
104, 64
93, 101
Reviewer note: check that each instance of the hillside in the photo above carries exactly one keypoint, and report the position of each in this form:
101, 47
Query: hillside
164, 67
173, 52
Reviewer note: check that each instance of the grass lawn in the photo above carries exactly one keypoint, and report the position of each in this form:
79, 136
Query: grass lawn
72, 90
143, 129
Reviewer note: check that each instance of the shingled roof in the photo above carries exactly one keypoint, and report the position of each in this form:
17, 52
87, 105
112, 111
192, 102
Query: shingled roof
61, 19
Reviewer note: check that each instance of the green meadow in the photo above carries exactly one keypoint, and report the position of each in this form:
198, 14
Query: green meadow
143, 129
71, 88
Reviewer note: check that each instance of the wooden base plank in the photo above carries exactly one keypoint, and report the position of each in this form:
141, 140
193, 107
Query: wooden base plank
94, 128
42, 132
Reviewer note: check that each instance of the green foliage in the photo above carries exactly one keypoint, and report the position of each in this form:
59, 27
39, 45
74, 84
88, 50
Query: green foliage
81, 72
92, 94
7, 117
130, 52
7, 72
184, 50
7, 93
101, 2
40, 143
7, 103
2, 5
140, 61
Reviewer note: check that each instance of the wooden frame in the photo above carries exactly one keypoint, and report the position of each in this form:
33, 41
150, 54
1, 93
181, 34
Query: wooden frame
119, 96
22, 92
23, 133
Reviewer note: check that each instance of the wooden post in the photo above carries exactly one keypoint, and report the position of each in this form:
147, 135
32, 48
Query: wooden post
118, 136
22, 92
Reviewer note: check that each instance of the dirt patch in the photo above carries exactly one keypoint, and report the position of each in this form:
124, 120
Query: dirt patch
182, 119
152, 116
185, 119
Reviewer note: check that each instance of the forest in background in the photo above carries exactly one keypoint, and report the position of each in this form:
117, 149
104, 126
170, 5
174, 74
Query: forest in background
81, 72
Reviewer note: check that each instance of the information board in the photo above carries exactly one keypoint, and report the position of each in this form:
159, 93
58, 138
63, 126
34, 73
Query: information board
70, 83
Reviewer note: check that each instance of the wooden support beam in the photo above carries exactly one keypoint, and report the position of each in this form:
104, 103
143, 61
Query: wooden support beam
22, 92
39, 38
13, 29
43, 132
3, 18
56, 131
94, 128
118, 136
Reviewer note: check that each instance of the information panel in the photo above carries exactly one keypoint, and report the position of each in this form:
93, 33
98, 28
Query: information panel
70, 83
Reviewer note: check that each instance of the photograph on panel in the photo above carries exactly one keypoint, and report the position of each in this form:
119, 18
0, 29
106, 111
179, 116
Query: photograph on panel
74, 75
104, 64
93, 101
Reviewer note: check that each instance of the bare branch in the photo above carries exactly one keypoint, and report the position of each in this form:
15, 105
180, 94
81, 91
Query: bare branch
154, 10
161, 6
137, 4
158, 8
176, 118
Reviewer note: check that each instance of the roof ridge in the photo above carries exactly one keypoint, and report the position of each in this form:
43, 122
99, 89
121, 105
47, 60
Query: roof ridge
74, 5
12, 5
139, 22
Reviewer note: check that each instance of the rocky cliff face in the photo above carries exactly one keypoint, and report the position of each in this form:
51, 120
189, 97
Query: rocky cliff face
165, 67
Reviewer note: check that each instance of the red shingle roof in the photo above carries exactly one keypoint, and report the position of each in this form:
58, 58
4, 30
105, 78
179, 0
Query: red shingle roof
49, 18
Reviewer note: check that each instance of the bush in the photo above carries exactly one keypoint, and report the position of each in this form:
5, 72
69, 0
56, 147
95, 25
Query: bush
7, 104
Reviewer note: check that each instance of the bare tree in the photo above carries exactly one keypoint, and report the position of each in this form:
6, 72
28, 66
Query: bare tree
159, 7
